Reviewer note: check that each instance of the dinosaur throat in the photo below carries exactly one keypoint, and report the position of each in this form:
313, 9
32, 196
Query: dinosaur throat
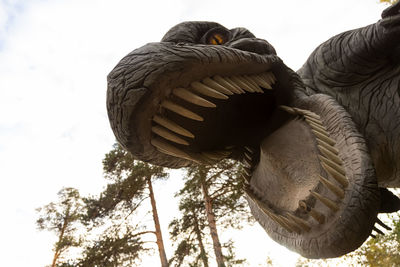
215, 118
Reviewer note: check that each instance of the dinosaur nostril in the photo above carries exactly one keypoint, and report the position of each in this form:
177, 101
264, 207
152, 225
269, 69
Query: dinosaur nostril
254, 45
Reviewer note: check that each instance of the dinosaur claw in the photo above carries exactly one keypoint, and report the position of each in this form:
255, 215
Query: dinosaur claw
389, 201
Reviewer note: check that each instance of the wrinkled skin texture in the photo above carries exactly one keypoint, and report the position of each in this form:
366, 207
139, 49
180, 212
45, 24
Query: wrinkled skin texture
320, 146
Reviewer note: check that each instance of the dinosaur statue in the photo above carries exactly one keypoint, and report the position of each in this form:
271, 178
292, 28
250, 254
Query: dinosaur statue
319, 146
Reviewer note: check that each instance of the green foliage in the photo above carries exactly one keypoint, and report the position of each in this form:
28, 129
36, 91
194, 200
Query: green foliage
62, 218
118, 238
114, 248
224, 187
391, 2
189, 231
384, 250
128, 187
230, 255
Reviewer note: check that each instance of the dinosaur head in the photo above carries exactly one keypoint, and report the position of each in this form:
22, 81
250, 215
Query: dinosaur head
201, 94
205, 93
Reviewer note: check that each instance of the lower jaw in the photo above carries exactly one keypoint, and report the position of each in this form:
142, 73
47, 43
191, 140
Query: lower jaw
325, 208
314, 190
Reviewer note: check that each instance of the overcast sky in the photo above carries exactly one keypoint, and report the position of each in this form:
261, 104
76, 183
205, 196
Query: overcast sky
54, 59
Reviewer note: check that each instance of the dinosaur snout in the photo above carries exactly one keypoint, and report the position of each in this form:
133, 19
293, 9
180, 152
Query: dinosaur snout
254, 45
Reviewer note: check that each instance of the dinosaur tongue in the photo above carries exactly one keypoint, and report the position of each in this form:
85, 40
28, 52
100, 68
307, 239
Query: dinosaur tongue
315, 185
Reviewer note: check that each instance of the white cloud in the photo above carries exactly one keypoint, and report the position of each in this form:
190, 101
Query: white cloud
54, 59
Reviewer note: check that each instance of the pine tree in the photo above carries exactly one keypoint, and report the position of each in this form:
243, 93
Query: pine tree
209, 193
62, 218
189, 231
131, 185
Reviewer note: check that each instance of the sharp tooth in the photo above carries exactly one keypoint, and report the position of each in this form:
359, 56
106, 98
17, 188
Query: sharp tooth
266, 209
214, 85
280, 222
332, 149
253, 84
268, 76
316, 123
378, 231
329, 203
288, 110
327, 153
205, 90
312, 115
169, 149
317, 127
323, 132
203, 158
320, 218
262, 82
331, 186
336, 175
246, 163
172, 126
302, 223
168, 135
248, 156
247, 171
227, 84
192, 98
249, 149
324, 138
272, 77
181, 110
235, 84
243, 84
308, 119
216, 155
246, 178
200, 158
383, 225
292, 225
332, 164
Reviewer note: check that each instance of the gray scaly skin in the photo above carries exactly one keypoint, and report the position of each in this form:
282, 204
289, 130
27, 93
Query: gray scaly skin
319, 146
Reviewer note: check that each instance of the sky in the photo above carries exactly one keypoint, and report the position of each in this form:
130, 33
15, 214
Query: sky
54, 130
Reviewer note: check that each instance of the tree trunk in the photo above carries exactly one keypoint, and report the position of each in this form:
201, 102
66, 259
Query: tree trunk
53, 264
211, 222
60, 238
203, 254
160, 243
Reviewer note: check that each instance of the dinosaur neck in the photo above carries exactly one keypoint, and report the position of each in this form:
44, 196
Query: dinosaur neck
374, 107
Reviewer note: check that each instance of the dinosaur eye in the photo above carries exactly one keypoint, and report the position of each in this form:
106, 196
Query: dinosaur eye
216, 36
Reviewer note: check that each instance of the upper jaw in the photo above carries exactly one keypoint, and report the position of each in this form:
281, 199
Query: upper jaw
141, 82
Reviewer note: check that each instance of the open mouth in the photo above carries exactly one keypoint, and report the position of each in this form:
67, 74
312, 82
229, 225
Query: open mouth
189, 110
309, 180
215, 118
301, 212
